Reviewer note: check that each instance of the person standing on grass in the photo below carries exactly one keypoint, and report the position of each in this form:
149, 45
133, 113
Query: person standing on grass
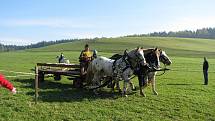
205, 71
5, 83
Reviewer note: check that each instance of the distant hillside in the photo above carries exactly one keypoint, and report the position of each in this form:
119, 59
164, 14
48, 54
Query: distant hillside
205, 33
174, 46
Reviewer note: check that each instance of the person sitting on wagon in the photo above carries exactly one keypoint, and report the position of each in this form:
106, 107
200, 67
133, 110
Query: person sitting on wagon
61, 58
85, 58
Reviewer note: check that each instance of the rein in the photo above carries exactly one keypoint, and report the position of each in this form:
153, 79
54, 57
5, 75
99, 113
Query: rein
102, 85
164, 70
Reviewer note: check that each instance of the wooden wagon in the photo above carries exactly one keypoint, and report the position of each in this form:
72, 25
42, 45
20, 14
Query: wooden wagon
57, 70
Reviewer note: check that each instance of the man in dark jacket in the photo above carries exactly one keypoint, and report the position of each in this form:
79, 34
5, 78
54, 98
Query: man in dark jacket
61, 58
205, 71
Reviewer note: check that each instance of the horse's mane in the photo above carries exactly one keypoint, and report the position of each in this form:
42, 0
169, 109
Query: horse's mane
149, 50
146, 52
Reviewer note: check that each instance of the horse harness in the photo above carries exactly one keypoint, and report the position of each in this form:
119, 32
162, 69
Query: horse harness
125, 59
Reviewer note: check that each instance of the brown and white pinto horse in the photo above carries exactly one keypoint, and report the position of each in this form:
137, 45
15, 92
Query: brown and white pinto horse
150, 77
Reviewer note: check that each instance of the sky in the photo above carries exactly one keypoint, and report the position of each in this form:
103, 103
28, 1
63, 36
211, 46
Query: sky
24, 22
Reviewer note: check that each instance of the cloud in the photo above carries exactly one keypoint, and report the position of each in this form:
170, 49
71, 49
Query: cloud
49, 22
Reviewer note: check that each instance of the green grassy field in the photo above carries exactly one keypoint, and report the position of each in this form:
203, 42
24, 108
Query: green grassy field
182, 95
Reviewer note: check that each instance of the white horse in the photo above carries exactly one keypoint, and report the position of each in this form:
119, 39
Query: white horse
122, 69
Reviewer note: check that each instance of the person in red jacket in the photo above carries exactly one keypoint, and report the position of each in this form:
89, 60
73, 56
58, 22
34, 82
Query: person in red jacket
5, 83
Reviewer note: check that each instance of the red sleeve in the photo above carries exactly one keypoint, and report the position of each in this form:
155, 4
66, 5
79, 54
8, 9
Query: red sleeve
5, 83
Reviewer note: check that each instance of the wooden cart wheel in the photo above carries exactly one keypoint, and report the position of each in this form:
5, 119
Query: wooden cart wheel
57, 77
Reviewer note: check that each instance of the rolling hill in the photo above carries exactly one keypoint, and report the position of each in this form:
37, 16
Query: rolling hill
174, 46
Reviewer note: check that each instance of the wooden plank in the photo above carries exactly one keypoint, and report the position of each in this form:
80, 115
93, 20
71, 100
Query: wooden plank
74, 78
59, 65
61, 72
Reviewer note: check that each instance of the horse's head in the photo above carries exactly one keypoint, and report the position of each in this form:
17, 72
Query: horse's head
164, 58
137, 56
152, 57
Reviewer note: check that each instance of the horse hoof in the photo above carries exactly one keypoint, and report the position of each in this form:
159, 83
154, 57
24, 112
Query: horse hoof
155, 93
134, 89
125, 95
144, 95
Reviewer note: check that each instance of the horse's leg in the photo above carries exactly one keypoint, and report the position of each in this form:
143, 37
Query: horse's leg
125, 82
132, 86
110, 83
140, 79
143, 87
112, 86
95, 81
118, 86
153, 84
142, 84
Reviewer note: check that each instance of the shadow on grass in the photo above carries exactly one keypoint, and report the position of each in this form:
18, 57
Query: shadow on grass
56, 91
74, 95
182, 84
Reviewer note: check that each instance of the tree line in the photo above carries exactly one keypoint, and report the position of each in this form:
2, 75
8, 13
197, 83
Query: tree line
6, 48
207, 33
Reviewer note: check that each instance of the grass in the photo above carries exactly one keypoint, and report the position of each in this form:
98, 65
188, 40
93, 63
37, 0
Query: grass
181, 93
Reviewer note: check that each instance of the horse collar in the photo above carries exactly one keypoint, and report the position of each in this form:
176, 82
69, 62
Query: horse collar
128, 63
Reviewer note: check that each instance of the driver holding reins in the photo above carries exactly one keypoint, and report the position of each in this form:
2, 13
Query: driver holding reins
85, 58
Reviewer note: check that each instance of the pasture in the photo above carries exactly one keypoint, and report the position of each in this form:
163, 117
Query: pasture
182, 95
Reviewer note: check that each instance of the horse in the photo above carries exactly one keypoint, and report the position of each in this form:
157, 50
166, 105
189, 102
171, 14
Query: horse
146, 78
152, 58
121, 69
150, 77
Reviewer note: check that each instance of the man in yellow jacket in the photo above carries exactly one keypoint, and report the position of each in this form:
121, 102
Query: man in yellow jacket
85, 58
